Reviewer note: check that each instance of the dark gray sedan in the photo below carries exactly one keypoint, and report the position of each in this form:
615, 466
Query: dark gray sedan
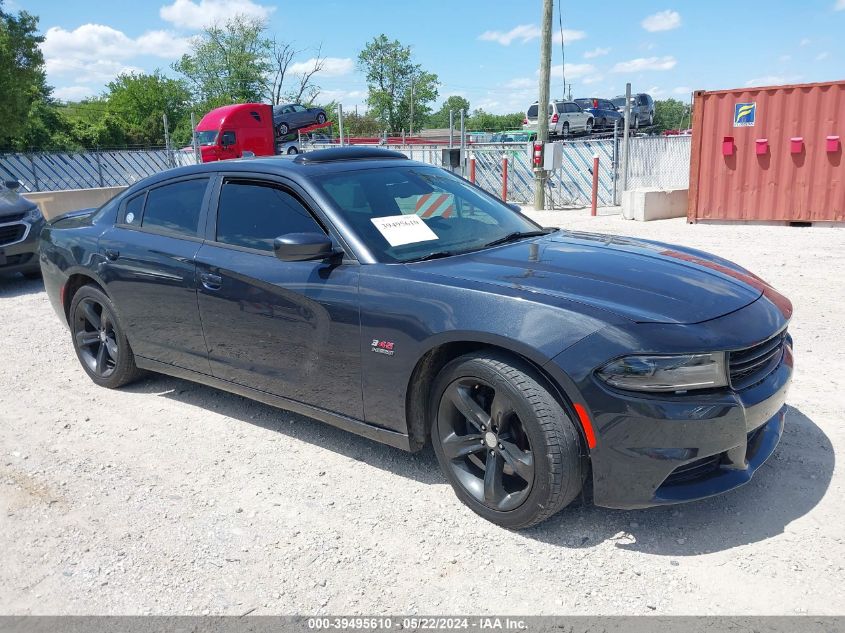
292, 116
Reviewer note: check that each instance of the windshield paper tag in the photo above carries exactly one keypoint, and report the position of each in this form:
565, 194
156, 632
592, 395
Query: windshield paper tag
403, 229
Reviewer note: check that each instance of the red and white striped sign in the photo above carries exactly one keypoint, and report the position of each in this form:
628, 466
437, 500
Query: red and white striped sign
430, 205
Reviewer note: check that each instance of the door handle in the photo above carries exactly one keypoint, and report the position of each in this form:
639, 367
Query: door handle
112, 254
211, 282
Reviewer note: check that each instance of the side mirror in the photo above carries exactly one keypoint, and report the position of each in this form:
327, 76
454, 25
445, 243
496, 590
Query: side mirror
12, 184
515, 207
300, 247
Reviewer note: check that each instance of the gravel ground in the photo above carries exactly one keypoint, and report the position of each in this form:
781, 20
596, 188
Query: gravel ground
168, 497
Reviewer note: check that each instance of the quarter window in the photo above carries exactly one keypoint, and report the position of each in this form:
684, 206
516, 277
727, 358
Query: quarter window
175, 207
253, 214
134, 210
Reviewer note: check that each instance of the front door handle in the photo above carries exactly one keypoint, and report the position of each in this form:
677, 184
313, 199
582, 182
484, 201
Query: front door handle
112, 254
211, 282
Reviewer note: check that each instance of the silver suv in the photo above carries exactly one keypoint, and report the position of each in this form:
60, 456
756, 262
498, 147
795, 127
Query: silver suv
642, 109
565, 118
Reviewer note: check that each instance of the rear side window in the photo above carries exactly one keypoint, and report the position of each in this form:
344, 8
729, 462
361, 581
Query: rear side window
532, 111
135, 209
175, 207
253, 214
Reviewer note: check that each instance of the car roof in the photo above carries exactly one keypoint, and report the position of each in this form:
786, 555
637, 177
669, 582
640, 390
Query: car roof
301, 166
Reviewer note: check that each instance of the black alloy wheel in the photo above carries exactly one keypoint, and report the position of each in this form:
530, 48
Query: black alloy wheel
506, 445
486, 444
98, 339
95, 337
283, 129
321, 118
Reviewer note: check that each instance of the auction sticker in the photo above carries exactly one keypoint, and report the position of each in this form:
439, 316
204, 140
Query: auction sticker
403, 229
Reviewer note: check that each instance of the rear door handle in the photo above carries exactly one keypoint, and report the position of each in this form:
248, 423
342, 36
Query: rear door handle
112, 254
211, 282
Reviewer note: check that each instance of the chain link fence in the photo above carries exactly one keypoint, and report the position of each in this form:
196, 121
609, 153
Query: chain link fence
56, 171
659, 161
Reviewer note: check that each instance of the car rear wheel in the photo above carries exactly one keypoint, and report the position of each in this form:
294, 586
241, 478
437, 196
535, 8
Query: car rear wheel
603, 123
283, 129
565, 129
99, 341
321, 118
506, 445
588, 127
293, 150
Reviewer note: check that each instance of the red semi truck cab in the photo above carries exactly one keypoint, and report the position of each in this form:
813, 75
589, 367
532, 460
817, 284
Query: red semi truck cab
229, 131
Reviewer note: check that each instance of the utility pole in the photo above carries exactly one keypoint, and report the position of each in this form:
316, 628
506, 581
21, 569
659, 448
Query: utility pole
543, 101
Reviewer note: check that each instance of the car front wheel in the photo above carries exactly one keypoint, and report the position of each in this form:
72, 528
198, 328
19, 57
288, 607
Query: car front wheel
506, 445
321, 118
283, 129
99, 341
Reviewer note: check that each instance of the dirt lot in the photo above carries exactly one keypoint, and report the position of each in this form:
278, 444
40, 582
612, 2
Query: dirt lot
168, 497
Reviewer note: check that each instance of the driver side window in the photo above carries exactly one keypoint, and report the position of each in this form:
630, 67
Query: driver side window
252, 214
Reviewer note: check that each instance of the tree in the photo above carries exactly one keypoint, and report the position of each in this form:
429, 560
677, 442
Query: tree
397, 86
140, 100
440, 119
305, 90
229, 63
671, 114
22, 80
481, 120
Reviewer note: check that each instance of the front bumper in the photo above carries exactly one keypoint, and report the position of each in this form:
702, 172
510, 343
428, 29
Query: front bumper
19, 250
656, 451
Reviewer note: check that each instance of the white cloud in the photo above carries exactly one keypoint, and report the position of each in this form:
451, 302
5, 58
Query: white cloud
196, 15
656, 91
568, 36
332, 66
520, 83
97, 53
785, 58
527, 32
839, 6
682, 90
596, 52
805, 42
772, 80
593, 79
349, 98
662, 21
73, 93
523, 32
645, 63
825, 55
573, 71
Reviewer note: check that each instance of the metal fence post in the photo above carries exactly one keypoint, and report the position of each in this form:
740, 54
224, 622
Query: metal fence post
614, 171
194, 141
340, 122
99, 166
505, 179
34, 173
167, 147
472, 170
463, 145
595, 200
626, 137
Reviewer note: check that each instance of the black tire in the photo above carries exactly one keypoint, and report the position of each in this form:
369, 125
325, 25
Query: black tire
283, 129
293, 150
603, 123
564, 131
589, 126
321, 118
99, 341
528, 436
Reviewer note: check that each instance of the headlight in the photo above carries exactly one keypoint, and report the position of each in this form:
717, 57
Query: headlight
33, 215
666, 373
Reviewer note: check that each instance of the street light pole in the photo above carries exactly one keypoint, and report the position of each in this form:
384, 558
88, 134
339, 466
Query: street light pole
543, 101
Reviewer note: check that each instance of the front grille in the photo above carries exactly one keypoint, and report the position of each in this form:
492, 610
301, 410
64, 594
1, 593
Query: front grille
751, 365
14, 217
11, 233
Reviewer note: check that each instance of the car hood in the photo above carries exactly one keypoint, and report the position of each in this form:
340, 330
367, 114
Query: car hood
12, 203
643, 281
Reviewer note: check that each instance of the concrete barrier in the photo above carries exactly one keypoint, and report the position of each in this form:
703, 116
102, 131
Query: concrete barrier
654, 204
52, 203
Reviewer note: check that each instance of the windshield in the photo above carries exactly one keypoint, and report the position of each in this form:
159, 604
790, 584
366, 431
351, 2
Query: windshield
207, 137
408, 213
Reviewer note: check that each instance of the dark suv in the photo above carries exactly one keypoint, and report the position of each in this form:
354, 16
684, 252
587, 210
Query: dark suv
396, 300
20, 223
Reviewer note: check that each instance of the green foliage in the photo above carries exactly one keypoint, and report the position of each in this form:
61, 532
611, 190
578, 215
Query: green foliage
22, 79
671, 114
440, 119
397, 86
481, 120
138, 101
227, 64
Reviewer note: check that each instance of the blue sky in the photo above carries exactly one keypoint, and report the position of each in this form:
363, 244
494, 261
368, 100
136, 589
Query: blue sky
484, 50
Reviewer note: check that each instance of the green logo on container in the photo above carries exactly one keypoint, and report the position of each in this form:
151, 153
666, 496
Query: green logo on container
745, 114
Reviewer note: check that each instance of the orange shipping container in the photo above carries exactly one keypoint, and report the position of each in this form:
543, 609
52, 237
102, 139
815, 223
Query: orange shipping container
769, 154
